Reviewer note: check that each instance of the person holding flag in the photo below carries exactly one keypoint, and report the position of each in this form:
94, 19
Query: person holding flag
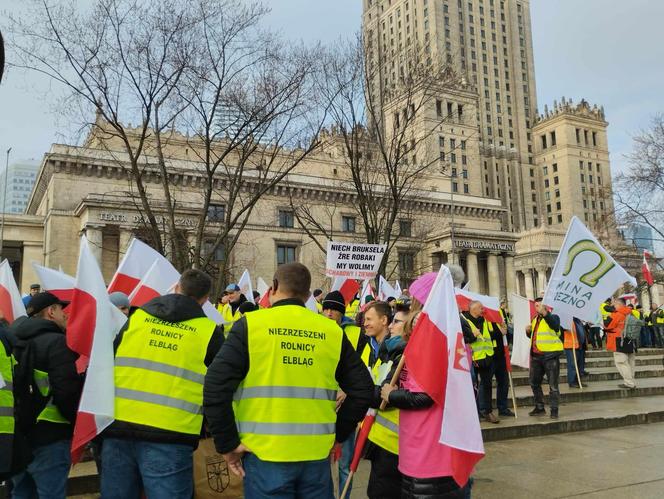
477, 333
499, 368
232, 300
545, 351
41, 338
270, 394
161, 360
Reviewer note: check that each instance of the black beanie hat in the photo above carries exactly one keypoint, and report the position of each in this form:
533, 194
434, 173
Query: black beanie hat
334, 300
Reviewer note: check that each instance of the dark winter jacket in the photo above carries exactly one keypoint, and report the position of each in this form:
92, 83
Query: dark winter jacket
171, 308
56, 359
231, 366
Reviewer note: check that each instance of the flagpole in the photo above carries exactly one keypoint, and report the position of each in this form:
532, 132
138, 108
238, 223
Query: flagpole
576, 365
383, 404
509, 374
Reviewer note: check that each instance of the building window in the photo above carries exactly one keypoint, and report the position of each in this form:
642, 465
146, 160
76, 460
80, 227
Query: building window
553, 138
348, 224
406, 263
555, 167
455, 187
216, 213
560, 219
466, 189
555, 180
595, 139
405, 228
285, 253
543, 138
578, 136
286, 218
219, 253
545, 170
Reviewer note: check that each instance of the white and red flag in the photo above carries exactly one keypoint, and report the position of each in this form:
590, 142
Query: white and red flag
367, 290
135, 264
93, 324
55, 282
264, 290
436, 358
156, 282
347, 287
523, 313
645, 269
11, 303
245, 286
385, 290
491, 305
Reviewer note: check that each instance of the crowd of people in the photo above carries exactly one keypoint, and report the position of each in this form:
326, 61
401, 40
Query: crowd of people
281, 389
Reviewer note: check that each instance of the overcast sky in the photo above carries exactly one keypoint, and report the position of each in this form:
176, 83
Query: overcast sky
609, 52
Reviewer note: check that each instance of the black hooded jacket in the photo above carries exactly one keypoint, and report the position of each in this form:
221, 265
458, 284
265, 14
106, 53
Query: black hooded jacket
171, 308
56, 359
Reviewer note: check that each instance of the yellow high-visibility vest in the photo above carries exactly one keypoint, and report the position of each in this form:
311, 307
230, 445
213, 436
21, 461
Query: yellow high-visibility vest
229, 317
285, 406
159, 372
547, 340
51, 413
482, 347
351, 309
6, 393
353, 334
602, 309
385, 430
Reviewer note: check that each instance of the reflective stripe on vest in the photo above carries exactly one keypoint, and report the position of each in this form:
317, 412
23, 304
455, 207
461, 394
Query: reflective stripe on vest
353, 334
6, 394
385, 430
285, 406
50, 413
547, 340
159, 372
482, 347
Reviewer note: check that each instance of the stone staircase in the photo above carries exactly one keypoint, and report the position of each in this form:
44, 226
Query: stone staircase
601, 404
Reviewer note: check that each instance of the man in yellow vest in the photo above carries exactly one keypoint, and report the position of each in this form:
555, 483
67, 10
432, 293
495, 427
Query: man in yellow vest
231, 302
7, 423
42, 338
545, 351
161, 359
334, 307
270, 394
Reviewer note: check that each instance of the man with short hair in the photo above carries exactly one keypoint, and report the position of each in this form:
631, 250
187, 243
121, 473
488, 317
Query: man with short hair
624, 353
545, 351
270, 394
161, 359
377, 319
120, 301
34, 289
477, 333
42, 337
318, 296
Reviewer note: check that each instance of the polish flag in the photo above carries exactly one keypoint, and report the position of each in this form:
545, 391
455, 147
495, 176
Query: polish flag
156, 282
137, 261
367, 290
385, 290
55, 282
93, 324
437, 360
397, 288
523, 313
645, 269
245, 286
347, 287
491, 304
11, 303
264, 290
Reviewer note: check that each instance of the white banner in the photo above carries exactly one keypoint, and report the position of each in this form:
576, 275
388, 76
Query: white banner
353, 260
520, 308
584, 276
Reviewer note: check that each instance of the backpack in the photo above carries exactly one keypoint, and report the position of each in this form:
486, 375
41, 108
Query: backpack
632, 329
29, 402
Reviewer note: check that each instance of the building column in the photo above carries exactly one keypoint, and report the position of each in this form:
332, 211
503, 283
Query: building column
644, 300
528, 274
453, 257
123, 243
494, 275
541, 280
654, 292
32, 252
473, 271
510, 276
95, 240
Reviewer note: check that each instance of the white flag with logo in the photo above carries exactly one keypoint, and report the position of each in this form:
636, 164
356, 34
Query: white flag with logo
584, 276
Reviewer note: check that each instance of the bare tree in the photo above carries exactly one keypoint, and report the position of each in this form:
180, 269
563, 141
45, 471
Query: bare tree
384, 134
640, 190
202, 72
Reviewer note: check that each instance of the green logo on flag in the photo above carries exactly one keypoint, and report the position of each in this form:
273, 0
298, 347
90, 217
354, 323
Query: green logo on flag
592, 277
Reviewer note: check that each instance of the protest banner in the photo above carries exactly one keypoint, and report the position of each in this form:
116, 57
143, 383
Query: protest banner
353, 260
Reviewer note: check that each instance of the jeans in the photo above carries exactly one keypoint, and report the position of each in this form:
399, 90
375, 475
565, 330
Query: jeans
162, 471
46, 476
658, 336
644, 337
551, 367
287, 480
625, 362
571, 371
485, 375
347, 451
502, 382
